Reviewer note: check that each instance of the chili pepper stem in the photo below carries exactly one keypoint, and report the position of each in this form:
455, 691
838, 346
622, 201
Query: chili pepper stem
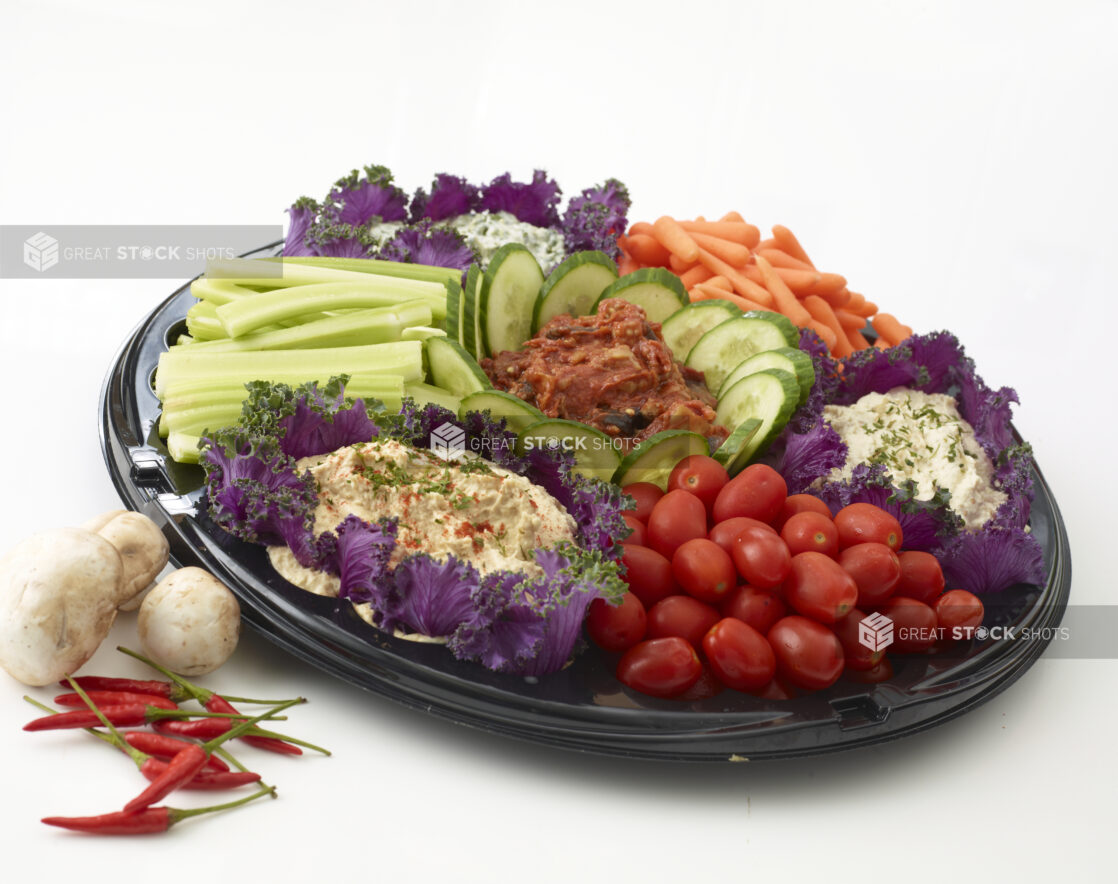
245, 726
261, 732
178, 813
80, 691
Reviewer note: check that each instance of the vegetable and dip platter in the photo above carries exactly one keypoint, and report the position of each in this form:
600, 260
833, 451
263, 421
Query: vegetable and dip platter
442, 311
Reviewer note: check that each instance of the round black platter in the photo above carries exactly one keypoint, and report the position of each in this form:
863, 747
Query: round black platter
582, 707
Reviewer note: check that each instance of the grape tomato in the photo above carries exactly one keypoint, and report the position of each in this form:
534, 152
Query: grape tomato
677, 517
683, 616
704, 570
616, 627
647, 574
757, 492
661, 667
644, 495
701, 475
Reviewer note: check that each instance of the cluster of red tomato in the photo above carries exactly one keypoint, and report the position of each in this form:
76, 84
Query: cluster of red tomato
734, 583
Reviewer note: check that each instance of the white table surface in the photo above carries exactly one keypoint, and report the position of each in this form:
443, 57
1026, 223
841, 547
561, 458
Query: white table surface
955, 161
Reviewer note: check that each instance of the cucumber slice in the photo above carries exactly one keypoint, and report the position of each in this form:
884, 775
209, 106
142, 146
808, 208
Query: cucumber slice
595, 453
659, 292
508, 293
733, 453
789, 359
422, 333
770, 396
574, 286
453, 309
453, 369
791, 333
654, 459
729, 344
467, 323
682, 330
517, 413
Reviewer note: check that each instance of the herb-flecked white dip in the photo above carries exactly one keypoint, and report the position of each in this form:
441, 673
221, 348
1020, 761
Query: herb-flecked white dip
919, 436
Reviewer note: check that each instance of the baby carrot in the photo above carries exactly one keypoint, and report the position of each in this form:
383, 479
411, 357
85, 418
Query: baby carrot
678, 265
627, 264
782, 259
850, 321
783, 298
642, 228
887, 326
743, 286
647, 250
787, 242
857, 340
733, 216
694, 276
823, 331
801, 282
820, 310
720, 282
730, 252
675, 239
704, 292
735, 231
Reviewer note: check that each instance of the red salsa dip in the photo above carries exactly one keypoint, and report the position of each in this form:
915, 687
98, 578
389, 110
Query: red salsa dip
610, 370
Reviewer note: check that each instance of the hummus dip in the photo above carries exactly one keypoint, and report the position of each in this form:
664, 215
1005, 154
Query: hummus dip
922, 437
472, 509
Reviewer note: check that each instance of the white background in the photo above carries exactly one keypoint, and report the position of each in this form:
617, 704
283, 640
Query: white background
954, 160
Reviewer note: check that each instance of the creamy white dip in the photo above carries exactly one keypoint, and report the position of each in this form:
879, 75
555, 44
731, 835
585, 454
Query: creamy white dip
922, 437
470, 508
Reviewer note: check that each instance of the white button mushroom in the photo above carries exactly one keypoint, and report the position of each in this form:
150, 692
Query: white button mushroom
190, 622
58, 596
142, 547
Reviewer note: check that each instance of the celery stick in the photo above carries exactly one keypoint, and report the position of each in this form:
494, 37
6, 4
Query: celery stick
375, 326
218, 291
258, 271
424, 393
202, 322
193, 392
421, 333
183, 447
376, 265
266, 308
404, 358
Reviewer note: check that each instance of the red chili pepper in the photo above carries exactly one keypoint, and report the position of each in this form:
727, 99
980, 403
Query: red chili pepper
162, 746
115, 698
128, 715
201, 728
217, 703
132, 685
180, 769
206, 780
152, 819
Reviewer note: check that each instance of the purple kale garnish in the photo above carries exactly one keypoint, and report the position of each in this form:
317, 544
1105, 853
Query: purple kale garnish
362, 551
596, 217
533, 203
427, 244
803, 457
992, 559
319, 425
878, 371
427, 596
502, 633
359, 200
301, 215
338, 241
450, 196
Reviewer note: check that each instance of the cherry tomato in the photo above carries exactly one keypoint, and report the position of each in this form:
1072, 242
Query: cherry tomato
807, 653
758, 492
800, 503
648, 574
725, 533
883, 671
865, 523
762, 558
958, 614
858, 655
700, 475
662, 667
704, 570
875, 569
914, 624
644, 495
819, 588
810, 531
639, 534
739, 655
682, 615
616, 627
677, 517
921, 576
760, 608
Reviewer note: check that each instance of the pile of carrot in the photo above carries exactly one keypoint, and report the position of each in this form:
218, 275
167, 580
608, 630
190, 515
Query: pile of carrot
727, 259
